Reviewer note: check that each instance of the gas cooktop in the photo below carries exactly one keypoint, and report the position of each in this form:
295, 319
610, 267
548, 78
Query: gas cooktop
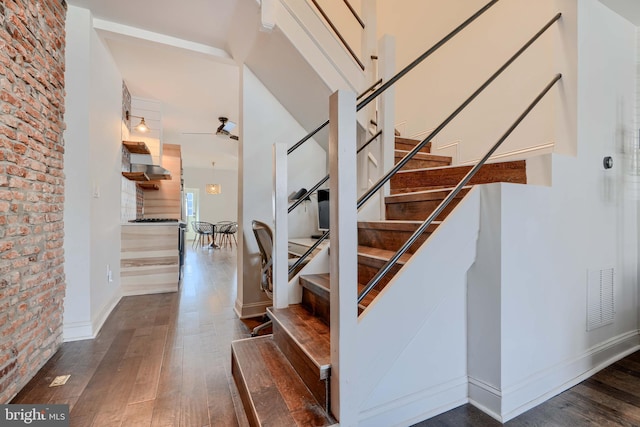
154, 220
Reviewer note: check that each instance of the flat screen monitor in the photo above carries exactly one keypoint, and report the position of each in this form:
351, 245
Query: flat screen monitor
323, 210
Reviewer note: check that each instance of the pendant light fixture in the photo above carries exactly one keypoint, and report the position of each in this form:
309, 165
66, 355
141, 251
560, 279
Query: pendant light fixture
213, 188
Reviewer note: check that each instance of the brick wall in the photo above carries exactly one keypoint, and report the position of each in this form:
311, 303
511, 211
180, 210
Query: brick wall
32, 281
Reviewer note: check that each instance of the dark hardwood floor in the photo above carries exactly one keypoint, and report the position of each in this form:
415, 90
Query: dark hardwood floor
165, 360
609, 398
159, 360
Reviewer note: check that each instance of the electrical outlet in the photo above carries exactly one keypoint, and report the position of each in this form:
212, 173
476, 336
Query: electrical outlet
109, 274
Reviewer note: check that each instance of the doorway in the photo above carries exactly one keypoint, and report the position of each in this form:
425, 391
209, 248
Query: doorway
192, 209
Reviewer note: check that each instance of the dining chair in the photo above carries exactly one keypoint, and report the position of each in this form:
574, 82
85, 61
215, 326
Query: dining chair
203, 230
227, 230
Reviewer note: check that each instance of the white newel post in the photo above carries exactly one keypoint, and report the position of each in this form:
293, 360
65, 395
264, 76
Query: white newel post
386, 113
281, 231
370, 48
343, 256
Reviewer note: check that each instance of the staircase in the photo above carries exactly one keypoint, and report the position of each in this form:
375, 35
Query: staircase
283, 378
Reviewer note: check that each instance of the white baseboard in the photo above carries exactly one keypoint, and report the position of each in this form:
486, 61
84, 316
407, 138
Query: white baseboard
255, 309
504, 405
76, 331
417, 407
99, 320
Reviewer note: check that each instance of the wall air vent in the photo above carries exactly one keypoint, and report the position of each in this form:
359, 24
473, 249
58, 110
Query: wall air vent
600, 296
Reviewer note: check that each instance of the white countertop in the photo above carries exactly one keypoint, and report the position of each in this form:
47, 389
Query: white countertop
145, 224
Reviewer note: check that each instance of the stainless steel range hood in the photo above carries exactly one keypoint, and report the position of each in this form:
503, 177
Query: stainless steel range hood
154, 172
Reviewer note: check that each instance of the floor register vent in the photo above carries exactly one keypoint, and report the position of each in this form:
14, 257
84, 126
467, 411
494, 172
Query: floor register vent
600, 295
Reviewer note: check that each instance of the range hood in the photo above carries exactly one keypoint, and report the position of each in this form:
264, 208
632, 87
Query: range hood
154, 172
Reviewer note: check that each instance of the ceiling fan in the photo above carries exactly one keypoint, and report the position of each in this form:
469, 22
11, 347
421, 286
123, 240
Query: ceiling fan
225, 128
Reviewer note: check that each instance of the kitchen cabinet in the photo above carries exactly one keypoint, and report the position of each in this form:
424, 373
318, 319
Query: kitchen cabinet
149, 258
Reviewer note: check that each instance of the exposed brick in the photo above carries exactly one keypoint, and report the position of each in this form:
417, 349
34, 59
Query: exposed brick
32, 281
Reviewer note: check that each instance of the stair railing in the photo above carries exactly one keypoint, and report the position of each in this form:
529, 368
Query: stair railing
400, 74
360, 105
387, 177
382, 181
337, 32
312, 190
443, 205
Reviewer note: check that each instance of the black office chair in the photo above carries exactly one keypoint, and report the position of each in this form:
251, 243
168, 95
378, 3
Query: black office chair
264, 237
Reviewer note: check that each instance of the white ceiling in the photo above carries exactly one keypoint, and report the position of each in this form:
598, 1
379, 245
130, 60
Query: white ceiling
630, 9
189, 72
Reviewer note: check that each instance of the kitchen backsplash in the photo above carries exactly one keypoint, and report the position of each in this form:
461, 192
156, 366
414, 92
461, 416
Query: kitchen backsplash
129, 194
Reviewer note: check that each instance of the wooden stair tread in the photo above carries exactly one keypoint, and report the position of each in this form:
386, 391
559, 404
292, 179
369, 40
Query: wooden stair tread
381, 254
424, 156
271, 391
321, 281
309, 333
408, 143
516, 164
320, 285
397, 225
415, 196
449, 176
407, 140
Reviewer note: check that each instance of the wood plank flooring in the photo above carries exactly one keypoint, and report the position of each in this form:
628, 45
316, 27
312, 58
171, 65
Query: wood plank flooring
159, 360
609, 398
165, 360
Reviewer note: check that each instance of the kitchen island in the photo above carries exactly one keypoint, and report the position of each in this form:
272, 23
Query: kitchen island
149, 258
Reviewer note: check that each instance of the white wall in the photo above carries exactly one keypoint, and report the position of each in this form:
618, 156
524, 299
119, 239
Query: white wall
92, 165
77, 209
105, 166
527, 291
264, 122
215, 207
